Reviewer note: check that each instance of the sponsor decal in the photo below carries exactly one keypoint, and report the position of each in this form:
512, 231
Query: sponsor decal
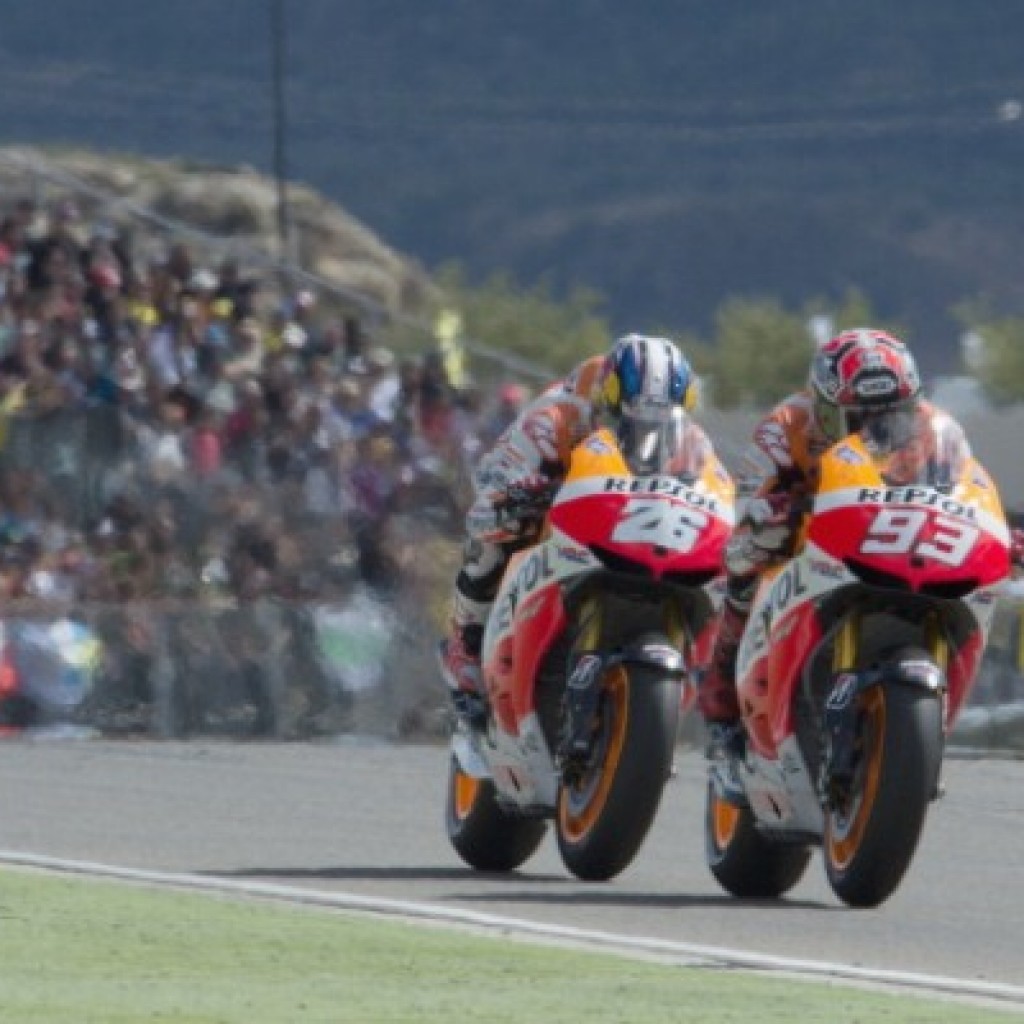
788, 587
772, 439
599, 446
844, 453
577, 556
915, 496
873, 387
662, 651
843, 689
507, 609
666, 485
822, 567
535, 570
583, 674
541, 431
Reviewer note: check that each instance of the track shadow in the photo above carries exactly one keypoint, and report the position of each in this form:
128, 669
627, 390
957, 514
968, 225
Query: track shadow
507, 887
384, 874
602, 896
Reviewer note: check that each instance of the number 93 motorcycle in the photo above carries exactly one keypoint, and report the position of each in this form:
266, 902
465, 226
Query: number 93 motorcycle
857, 657
587, 658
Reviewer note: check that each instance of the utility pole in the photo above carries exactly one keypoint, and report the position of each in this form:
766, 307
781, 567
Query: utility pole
278, 44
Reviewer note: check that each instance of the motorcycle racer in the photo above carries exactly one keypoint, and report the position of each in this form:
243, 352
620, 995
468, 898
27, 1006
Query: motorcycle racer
861, 380
642, 381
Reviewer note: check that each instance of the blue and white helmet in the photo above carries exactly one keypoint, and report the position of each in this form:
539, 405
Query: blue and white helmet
648, 372
647, 387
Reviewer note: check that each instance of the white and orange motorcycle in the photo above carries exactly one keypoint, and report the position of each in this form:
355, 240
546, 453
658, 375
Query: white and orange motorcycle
858, 655
587, 659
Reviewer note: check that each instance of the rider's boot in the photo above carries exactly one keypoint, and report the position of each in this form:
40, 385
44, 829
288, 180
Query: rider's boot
459, 658
718, 703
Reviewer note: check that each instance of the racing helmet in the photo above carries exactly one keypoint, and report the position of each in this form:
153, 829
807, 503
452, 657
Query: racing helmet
646, 372
865, 380
647, 386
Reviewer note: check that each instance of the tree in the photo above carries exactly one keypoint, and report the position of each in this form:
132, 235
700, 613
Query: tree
761, 353
529, 323
1000, 365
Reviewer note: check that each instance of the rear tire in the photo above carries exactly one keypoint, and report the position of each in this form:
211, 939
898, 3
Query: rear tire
743, 861
603, 818
482, 834
870, 842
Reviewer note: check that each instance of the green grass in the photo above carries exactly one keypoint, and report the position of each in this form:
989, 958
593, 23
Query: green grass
90, 952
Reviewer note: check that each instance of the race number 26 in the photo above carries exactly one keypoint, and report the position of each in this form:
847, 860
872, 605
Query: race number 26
658, 522
897, 531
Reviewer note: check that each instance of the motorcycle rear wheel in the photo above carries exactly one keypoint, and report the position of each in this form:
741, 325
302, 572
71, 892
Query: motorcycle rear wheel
485, 836
870, 841
602, 817
744, 862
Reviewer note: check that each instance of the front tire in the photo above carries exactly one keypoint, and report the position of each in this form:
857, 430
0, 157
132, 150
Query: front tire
603, 817
743, 861
870, 840
482, 834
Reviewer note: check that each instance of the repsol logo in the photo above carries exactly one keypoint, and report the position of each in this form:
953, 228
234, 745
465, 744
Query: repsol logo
507, 610
534, 571
662, 485
788, 588
915, 496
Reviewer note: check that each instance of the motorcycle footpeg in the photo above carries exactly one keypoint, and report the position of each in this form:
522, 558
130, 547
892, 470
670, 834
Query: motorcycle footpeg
469, 709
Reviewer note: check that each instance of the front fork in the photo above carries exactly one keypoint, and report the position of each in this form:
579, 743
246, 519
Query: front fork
583, 690
842, 747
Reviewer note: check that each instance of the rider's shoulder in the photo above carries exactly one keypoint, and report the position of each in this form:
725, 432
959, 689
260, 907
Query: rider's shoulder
793, 413
797, 407
583, 380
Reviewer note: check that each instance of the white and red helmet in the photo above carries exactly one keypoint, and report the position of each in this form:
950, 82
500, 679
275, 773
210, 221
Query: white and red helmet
860, 374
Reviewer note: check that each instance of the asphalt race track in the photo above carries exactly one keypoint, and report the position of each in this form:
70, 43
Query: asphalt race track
366, 818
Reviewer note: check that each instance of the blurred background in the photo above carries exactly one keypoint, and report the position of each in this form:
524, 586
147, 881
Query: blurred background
273, 272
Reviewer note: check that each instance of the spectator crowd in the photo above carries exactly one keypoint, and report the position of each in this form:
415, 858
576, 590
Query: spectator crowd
179, 434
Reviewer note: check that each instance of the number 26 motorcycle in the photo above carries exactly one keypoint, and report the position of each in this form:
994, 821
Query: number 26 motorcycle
857, 657
594, 630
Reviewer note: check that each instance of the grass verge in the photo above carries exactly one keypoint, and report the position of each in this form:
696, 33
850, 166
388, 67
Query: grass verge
101, 952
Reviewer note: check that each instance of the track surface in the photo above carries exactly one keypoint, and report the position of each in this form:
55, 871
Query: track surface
366, 818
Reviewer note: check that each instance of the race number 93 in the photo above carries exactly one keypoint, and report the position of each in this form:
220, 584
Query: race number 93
897, 531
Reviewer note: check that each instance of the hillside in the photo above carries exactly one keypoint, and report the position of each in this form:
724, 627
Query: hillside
668, 154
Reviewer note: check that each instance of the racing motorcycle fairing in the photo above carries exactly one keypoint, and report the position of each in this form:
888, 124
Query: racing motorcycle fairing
879, 563
620, 558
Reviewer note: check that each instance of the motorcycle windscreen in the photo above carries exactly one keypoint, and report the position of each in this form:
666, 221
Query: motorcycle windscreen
911, 447
653, 439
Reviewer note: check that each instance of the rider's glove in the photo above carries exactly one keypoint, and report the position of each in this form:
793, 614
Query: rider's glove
514, 512
769, 516
529, 492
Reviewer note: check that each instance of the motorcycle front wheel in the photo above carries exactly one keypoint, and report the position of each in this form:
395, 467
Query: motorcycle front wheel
604, 812
483, 835
870, 837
